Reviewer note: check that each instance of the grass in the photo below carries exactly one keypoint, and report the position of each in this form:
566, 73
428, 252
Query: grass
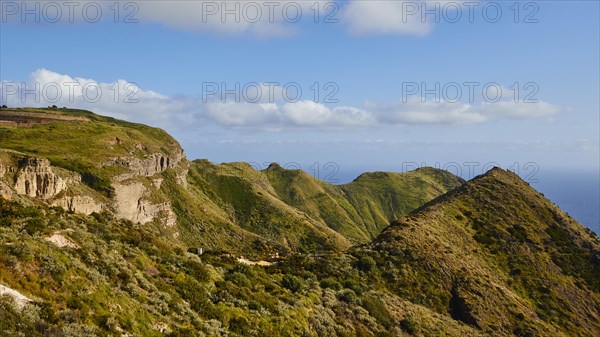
489, 257
84, 146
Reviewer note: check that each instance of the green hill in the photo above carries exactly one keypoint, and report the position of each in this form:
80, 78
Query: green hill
498, 256
139, 173
100, 235
360, 209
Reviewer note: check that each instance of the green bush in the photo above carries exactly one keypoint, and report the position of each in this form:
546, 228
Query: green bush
366, 263
378, 310
291, 282
239, 279
331, 283
408, 325
348, 296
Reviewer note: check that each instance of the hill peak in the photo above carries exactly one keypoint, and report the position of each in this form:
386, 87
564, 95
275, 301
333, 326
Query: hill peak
496, 242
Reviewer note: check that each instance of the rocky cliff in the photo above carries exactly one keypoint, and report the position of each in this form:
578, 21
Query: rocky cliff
35, 178
148, 166
89, 163
119, 168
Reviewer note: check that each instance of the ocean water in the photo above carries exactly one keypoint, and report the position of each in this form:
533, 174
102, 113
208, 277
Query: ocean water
577, 193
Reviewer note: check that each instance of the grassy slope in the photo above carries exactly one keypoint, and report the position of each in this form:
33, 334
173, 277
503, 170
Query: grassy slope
288, 210
132, 279
496, 255
231, 206
244, 201
492, 257
83, 146
361, 209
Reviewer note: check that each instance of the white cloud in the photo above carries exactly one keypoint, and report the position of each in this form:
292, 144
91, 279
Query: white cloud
384, 17
415, 111
128, 101
263, 18
401, 17
119, 99
309, 113
242, 114
512, 109
278, 18
260, 18
280, 115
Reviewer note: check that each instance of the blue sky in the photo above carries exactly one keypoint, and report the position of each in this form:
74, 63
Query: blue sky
370, 55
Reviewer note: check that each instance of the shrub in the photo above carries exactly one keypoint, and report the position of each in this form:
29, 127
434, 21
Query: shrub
348, 296
378, 310
197, 270
239, 279
291, 282
35, 225
366, 263
408, 325
22, 251
254, 305
331, 283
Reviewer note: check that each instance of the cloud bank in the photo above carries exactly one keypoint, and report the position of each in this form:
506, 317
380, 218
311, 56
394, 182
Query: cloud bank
258, 18
125, 100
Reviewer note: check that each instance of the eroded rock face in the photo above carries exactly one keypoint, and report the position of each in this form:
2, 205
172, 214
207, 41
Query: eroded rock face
79, 204
5, 191
36, 179
130, 204
182, 177
149, 166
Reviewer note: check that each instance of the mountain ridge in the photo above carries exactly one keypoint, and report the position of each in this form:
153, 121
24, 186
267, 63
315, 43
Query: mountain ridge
141, 174
421, 253
549, 244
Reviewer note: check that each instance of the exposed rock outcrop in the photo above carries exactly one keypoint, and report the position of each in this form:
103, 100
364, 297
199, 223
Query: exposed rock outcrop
130, 204
20, 299
61, 241
181, 176
79, 204
5, 191
36, 179
148, 166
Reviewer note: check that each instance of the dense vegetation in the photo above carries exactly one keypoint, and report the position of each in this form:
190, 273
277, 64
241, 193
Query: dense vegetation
490, 257
227, 206
129, 278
